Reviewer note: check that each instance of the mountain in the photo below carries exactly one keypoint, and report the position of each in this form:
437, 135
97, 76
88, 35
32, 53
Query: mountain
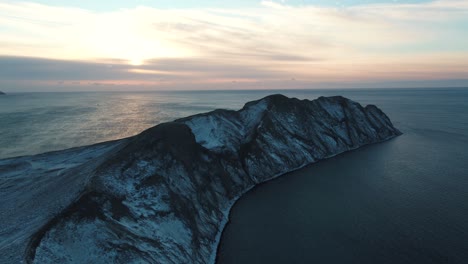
163, 196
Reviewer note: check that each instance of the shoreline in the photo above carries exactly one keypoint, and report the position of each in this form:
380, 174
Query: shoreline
227, 213
195, 141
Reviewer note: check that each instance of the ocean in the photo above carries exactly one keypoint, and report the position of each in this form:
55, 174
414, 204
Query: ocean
401, 201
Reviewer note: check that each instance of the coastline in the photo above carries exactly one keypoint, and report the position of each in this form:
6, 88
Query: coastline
227, 213
168, 153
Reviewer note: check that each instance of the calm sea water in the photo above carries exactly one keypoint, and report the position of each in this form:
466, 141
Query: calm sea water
402, 201
32, 123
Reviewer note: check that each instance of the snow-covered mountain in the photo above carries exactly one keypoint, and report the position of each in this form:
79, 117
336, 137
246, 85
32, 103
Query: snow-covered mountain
163, 196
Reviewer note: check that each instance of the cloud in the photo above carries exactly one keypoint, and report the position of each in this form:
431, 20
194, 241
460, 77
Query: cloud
272, 42
37, 74
188, 70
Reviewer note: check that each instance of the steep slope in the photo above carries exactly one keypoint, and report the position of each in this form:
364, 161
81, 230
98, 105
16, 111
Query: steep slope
276, 131
163, 195
33, 189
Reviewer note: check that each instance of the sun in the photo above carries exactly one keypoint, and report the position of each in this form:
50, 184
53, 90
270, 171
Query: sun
136, 61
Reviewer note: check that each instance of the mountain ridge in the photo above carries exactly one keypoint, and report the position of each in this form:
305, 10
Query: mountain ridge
164, 195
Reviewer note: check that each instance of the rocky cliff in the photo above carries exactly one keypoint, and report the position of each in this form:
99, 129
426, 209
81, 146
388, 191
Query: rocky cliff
164, 195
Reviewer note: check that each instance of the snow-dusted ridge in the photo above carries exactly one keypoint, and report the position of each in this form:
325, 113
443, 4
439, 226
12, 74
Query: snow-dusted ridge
163, 196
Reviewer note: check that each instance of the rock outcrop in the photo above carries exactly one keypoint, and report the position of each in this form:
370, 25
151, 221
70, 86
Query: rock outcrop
163, 196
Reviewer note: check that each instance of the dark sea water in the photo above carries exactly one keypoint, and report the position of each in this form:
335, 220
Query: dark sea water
402, 201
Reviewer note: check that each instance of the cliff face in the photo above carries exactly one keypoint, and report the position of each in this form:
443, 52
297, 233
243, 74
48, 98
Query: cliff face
276, 134
163, 196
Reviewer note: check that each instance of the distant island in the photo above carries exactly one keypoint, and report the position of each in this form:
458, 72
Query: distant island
165, 195
2, 93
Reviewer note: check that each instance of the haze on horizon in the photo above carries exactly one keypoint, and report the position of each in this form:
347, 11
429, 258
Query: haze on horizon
48, 45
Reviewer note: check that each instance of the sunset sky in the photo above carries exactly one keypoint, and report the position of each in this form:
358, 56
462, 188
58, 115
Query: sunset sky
53, 45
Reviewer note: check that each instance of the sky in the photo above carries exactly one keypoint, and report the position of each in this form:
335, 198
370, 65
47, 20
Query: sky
52, 45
